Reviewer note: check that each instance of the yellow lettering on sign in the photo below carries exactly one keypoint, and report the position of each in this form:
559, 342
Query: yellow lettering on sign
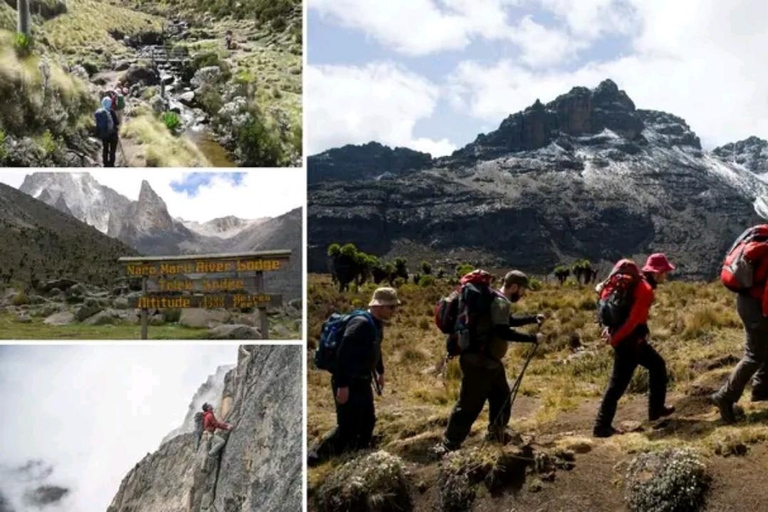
257, 265
141, 270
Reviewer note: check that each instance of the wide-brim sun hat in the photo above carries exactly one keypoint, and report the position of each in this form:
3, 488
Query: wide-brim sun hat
658, 263
384, 297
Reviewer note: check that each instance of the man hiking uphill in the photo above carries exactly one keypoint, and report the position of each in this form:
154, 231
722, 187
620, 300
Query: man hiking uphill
107, 129
483, 374
210, 425
745, 271
628, 294
356, 361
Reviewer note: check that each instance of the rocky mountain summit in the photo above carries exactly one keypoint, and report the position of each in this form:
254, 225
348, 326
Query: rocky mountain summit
752, 153
587, 175
260, 467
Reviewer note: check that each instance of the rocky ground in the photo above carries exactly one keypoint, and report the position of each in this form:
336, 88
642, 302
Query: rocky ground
691, 461
66, 309
219, 106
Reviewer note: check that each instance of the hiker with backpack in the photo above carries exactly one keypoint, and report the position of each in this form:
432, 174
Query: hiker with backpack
625, 300
211, 425
350, 348
481, 337
107, 129
745, 271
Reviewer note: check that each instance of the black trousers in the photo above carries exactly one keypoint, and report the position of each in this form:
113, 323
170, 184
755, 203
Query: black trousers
109, 151
483, 378
626, 357
355, 422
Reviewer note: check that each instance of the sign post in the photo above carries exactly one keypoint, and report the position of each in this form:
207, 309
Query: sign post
210, 281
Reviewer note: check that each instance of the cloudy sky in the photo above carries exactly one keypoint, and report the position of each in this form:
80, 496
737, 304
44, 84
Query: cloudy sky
92, 412
202, 196
432, 74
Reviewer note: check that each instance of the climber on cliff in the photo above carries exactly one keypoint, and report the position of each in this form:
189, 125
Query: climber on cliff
210, 425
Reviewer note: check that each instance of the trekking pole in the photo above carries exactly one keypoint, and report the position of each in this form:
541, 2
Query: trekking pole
516, 386
122, 152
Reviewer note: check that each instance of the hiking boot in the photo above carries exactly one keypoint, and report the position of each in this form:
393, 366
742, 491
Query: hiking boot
725, 407
759, 396
313, 459
666, 410
605, 431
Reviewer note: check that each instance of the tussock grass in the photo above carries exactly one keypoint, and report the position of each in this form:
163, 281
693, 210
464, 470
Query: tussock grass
162, 148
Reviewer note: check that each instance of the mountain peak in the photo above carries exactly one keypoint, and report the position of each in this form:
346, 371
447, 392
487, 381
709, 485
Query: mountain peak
752, 153
578, 113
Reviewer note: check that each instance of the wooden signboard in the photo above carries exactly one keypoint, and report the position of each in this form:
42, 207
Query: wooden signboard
208, 281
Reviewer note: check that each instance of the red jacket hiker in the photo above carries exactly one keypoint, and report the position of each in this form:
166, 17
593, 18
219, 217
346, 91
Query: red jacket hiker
758, 251
210, 424
638, 315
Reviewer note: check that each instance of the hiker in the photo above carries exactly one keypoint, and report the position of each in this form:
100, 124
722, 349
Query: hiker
483, 374
228, 40
107, 129
358, 365
629, 339
750, 253
210, 425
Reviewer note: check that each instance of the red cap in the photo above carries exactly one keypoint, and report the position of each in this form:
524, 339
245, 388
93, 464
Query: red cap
658, 263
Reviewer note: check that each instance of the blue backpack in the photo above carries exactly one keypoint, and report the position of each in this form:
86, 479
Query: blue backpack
330, 338
105, 125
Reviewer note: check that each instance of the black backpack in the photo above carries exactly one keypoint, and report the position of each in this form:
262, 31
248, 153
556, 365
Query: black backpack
331, 336
472, 303
199, 416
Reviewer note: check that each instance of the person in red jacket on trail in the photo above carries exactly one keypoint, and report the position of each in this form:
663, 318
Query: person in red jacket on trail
631, 348
752, 307
210, 424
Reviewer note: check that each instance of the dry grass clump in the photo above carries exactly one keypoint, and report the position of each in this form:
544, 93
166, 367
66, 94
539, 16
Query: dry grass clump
160, 147
374, 482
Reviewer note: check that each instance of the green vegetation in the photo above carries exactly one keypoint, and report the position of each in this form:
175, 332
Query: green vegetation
10, 329
171, 120
22, 43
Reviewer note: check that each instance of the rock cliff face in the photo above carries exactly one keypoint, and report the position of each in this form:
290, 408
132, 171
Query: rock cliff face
585, 176
260, 467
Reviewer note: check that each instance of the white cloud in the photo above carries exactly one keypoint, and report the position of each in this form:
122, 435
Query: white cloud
95, 411
589, 19
380, 102
542, 46
703, 61
420, 27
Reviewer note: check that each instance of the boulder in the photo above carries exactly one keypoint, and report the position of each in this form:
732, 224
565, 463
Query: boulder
24, 318
188, 98
89, 308
138, 74
106, 317
76, 290
167, 79
234, 332
121, 303
61, 284
203, 317
157, 320
62, 318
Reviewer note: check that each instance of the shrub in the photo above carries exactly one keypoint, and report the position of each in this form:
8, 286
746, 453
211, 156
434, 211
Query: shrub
426, 281
171, 121
20, 299
464, 269
172, 315
3, 151
48, 143
23, 44
674, 480
536, 284
257, 145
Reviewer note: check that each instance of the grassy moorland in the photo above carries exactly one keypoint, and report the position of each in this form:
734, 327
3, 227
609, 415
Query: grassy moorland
694, 326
